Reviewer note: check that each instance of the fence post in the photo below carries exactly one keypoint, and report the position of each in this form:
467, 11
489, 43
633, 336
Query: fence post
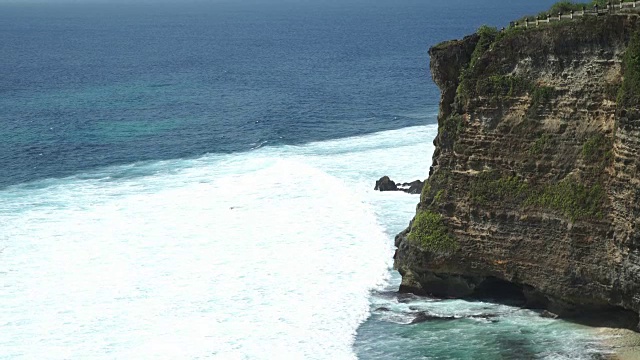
537, 21
526, 22
571, 14
584, 8
559, 15
548, 18
595, 7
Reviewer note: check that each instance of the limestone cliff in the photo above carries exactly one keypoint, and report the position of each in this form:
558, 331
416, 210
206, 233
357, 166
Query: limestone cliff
534, 185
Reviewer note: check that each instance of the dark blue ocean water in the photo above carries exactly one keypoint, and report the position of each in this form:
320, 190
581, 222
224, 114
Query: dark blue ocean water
86, 85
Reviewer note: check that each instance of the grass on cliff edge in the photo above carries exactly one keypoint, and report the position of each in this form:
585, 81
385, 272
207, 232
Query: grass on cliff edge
429, 232
560, 7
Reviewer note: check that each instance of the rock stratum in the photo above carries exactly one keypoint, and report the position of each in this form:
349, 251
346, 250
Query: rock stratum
534, 187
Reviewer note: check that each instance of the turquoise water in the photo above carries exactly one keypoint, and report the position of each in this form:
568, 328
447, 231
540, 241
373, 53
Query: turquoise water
195, 181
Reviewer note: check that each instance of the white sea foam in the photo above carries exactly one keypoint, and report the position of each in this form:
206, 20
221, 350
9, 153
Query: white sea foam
270, 253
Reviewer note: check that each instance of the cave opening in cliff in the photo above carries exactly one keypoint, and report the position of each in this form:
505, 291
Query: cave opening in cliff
608, 316
499, 290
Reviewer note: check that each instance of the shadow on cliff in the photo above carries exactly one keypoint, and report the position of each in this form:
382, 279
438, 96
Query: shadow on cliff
504, 292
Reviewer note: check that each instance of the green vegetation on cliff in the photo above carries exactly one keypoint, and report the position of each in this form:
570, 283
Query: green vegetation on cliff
540, 95
452, 126
430, 233
482, 79
434, 190
468, 78
568, 197
597, 148
501, 85
489, 187
629, 93
540, 145
426, 189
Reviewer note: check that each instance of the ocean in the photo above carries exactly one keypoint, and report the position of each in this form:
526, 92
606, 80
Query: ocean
194, 180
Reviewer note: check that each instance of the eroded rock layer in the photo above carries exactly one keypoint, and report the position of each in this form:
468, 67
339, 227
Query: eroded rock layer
534, 182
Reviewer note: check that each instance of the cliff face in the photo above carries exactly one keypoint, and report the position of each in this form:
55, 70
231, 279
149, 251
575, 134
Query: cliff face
534, 187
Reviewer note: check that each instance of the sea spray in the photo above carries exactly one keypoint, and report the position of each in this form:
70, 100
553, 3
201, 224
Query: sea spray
245, 255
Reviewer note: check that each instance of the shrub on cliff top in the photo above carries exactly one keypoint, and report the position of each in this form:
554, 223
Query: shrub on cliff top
430, 233
565, 7
468, 78
487, 36
488, 80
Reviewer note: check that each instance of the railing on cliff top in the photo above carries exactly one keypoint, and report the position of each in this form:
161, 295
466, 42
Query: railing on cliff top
609, 8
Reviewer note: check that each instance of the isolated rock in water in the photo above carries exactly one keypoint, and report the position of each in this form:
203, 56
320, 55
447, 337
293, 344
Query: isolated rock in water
424, 316
386, 184
414, 187
548, 314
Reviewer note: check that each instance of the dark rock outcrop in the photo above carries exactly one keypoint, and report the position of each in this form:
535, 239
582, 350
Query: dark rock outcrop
424, 316
386, 184
536, 172
414, 187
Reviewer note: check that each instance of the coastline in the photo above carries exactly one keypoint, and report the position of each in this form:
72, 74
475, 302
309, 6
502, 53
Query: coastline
487, 223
